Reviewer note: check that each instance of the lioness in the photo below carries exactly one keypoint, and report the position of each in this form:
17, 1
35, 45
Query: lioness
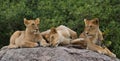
29, 37
60, 35
93, 32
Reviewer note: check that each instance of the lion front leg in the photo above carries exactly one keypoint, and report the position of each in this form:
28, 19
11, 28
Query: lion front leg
43, 43
109, 53
29, 44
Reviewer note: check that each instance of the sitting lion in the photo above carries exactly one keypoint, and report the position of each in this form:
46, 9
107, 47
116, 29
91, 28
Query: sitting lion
93, 32
29, 37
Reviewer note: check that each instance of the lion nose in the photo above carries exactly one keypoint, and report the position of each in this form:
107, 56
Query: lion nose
86, 32
37, 29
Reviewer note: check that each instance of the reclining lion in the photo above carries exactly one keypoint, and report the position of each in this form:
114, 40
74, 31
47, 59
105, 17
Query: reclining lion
29, 37
60, 35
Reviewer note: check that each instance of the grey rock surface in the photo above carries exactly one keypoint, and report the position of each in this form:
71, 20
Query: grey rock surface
52, 54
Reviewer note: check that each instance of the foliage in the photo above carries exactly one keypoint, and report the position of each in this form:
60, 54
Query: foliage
56, 12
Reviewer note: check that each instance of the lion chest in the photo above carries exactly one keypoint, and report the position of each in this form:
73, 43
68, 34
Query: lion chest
34, 38
94, 39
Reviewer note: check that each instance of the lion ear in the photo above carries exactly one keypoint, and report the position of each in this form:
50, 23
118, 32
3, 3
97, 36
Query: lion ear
26, 22
37, 21
53, 30
85, 21
95, 21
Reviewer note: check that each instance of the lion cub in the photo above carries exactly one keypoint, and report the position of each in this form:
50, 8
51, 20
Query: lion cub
92, 46
29, 37
61, 35
92, 30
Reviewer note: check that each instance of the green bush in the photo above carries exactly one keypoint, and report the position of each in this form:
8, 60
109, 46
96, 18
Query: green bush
56, 12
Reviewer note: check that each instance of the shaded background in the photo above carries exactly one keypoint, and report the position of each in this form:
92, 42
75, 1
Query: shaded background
67, 12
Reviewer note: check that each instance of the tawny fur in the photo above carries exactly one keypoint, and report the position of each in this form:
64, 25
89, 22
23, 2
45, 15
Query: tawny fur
93, 31
29, 37
61, 35
102, 50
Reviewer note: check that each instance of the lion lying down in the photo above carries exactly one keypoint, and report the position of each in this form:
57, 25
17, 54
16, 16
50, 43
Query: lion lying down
61, 35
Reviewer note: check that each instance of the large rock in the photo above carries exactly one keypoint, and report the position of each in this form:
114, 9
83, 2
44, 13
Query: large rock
52, 54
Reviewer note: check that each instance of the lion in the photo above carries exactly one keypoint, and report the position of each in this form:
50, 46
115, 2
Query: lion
92, 30
29, 37
60, 35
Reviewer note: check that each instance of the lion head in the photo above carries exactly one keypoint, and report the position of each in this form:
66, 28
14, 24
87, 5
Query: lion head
32, 25
53, 37
91, 27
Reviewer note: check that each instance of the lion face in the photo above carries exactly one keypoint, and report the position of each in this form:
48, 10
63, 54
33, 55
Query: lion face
91, 27
32, 25
53, 37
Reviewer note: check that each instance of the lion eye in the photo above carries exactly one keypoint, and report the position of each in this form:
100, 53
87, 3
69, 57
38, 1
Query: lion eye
33, 24
52, 37
90, 26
